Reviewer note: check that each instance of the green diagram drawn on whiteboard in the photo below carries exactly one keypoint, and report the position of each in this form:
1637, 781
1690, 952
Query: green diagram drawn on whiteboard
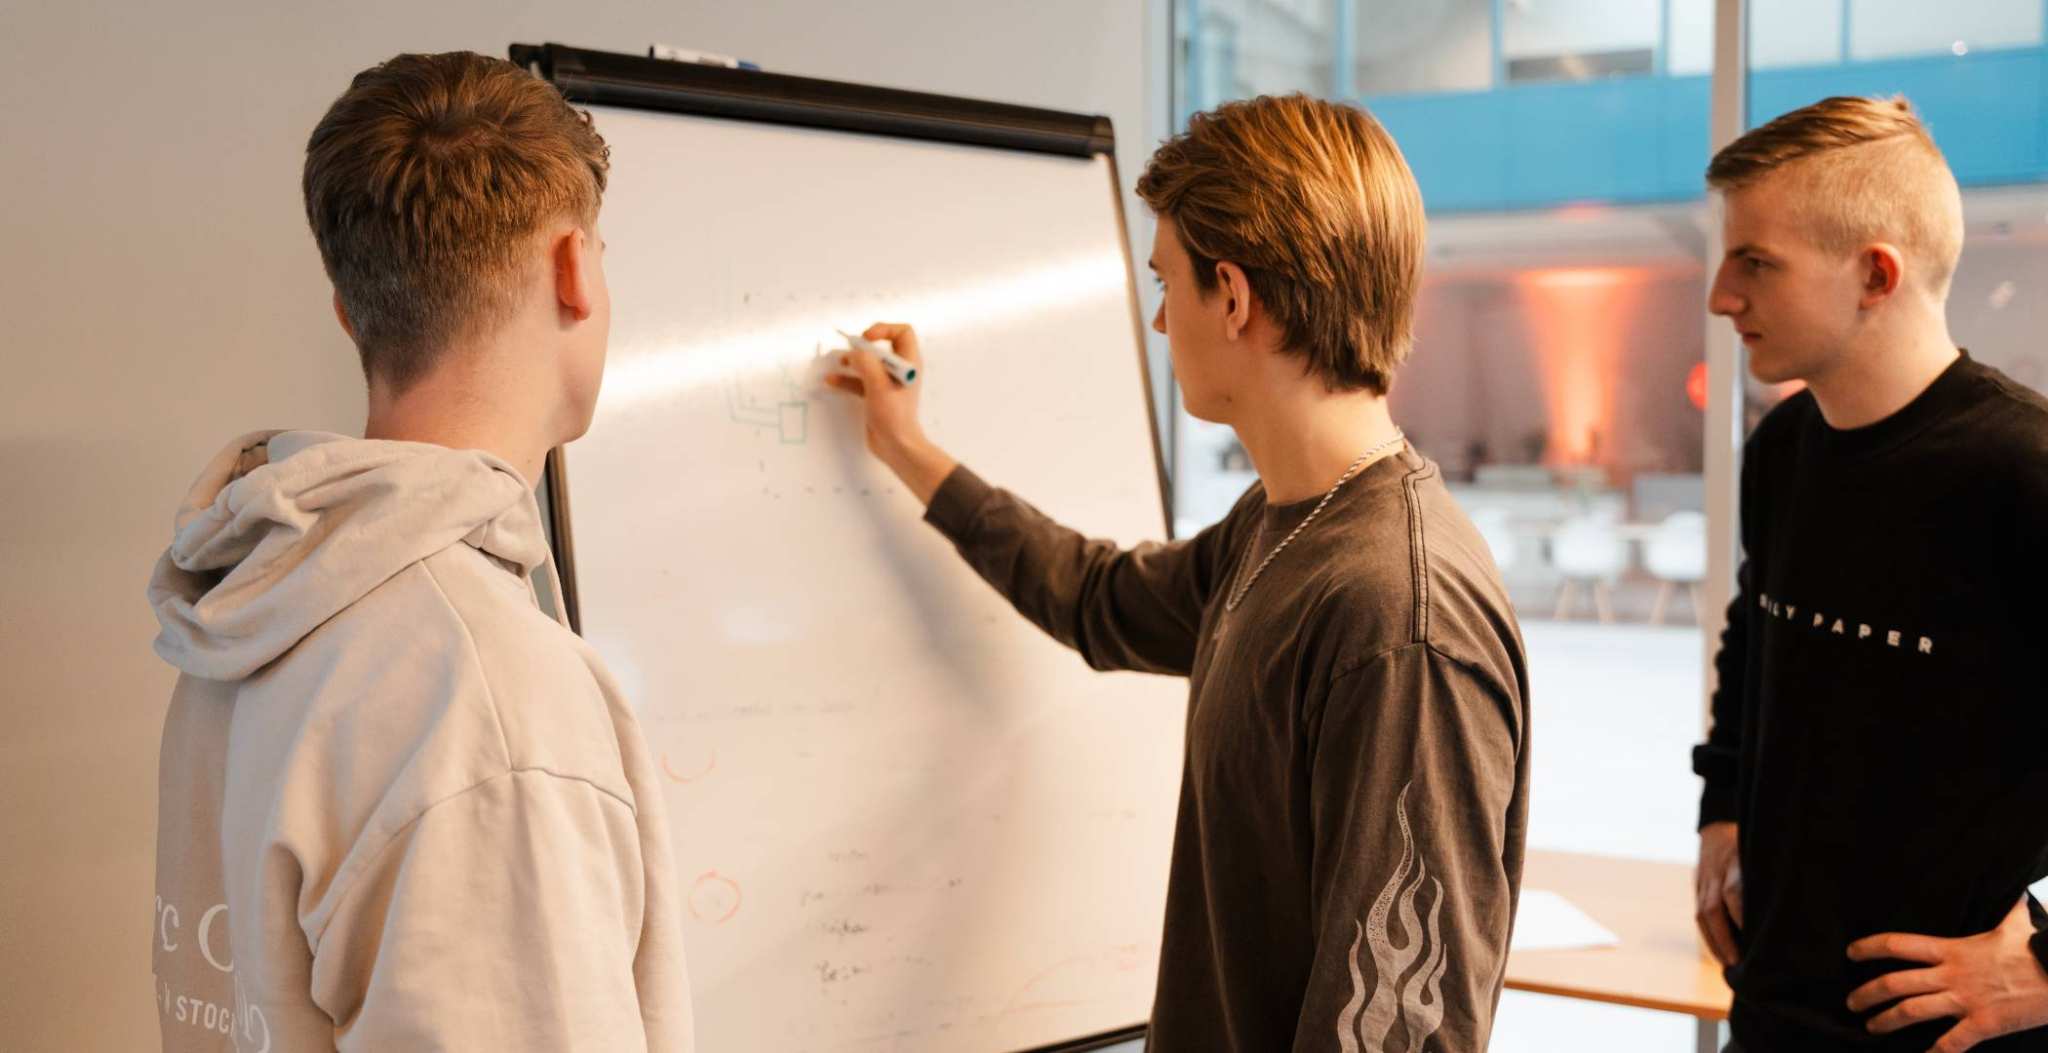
785, 413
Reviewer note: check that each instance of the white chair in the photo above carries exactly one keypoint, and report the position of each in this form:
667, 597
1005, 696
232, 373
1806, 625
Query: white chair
1588, 550
1499, 535
1676, 554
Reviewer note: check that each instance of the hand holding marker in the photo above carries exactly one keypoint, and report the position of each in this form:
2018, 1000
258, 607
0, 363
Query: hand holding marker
888, 404
898, 367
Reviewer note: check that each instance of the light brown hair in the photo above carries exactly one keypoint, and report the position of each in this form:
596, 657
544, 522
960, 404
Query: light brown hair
1315, 202
424, 183
1861, 171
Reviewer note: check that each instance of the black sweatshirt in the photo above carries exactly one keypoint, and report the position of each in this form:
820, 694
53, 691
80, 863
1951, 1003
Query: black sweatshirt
1355, 799
1881, 727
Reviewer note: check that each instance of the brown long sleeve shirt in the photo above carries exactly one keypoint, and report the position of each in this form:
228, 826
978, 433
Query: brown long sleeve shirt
1355, 792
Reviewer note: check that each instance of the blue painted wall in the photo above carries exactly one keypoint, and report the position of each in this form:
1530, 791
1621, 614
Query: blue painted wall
1641, 139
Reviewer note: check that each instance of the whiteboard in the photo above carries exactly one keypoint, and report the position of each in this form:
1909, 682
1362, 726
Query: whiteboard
904, 818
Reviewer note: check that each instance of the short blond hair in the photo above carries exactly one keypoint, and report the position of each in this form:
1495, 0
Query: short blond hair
1866, 171
424, 183
1315, 202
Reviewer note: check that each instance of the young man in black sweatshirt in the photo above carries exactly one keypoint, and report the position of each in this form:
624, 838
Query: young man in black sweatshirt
1876, 797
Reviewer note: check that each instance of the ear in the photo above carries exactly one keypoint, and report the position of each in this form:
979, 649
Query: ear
1237, 292
1883, 268
569, 255
341, 315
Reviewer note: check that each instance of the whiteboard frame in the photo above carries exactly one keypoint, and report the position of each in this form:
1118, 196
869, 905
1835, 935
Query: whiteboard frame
601, 78
633, 82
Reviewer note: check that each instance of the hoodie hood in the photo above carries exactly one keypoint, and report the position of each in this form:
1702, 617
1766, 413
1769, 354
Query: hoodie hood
283, 530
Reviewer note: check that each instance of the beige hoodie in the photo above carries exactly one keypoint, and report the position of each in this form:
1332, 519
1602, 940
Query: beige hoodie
400, 807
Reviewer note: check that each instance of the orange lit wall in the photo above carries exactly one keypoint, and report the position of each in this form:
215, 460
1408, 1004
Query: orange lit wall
1520, 366
1577, 334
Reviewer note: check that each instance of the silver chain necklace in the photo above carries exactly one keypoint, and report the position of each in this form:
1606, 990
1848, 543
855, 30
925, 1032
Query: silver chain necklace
1238, 596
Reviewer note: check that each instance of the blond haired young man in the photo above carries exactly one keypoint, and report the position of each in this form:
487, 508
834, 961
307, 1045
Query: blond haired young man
1873, 813
1353, 806
400, 807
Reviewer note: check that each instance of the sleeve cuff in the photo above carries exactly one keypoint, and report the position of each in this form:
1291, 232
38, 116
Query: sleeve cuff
957, 504
1718, 802
1717, 805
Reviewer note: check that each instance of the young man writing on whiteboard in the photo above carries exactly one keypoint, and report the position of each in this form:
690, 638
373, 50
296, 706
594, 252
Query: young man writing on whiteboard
401, 807
1875, 777
1349, 841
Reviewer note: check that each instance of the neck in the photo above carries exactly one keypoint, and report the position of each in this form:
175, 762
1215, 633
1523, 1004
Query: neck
1874, 383
466, 404
1301, 445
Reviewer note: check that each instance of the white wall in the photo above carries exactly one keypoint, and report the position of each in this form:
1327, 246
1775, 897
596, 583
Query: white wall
1890, 28
1424, 45
1691, 38
1544, 28
162, 295
1256, 47
1787, 33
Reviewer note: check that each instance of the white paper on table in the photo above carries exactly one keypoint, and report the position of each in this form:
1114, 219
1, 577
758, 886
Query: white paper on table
1547, 921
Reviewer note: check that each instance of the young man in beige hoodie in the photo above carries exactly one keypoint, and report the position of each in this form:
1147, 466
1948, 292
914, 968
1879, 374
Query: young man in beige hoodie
400, 806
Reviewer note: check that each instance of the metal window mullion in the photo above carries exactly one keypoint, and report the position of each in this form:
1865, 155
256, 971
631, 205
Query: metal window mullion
1727, 119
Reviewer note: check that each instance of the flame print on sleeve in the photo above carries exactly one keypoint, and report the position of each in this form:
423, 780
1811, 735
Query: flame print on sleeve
1404, 993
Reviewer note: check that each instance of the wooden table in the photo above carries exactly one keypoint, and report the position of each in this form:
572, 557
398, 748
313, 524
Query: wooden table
1660, 963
